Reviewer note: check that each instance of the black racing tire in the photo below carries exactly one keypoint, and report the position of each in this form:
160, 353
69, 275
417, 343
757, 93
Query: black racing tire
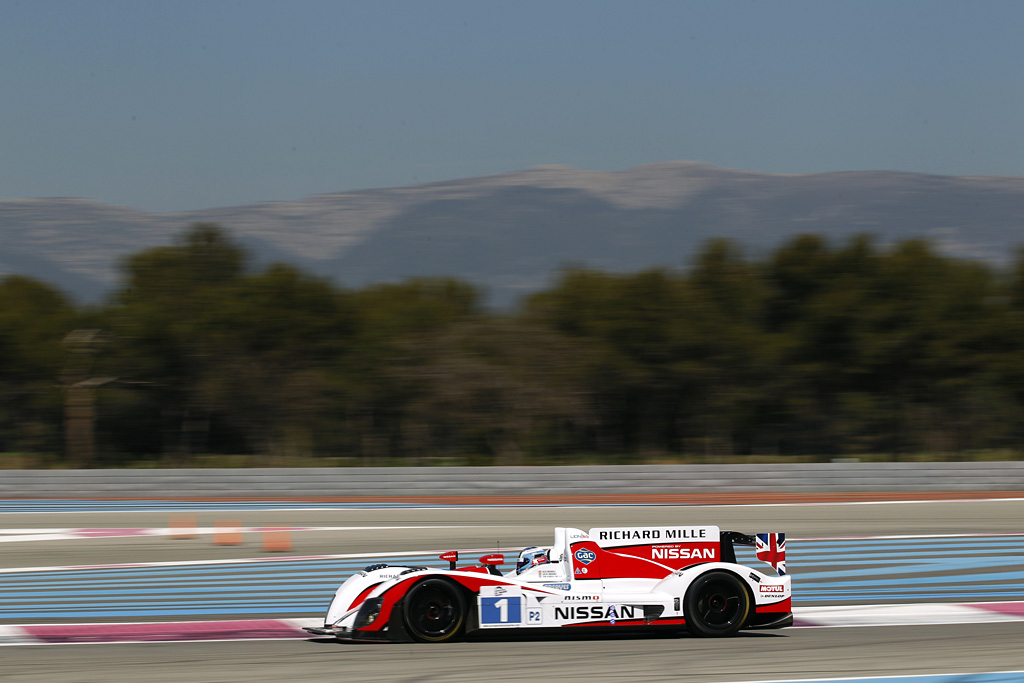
717, 604
434, 611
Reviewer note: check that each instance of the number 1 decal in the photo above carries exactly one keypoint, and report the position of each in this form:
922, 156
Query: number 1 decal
505, 611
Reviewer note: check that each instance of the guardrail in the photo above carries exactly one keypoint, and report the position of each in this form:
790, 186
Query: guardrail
394, 482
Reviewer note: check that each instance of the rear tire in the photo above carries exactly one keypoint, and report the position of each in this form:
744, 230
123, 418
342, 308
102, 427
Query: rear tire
434, 611
717, 604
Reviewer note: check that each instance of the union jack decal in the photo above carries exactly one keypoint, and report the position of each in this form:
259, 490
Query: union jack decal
771, 548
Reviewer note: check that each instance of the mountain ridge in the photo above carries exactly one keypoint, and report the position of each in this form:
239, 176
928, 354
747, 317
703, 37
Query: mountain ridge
509, 232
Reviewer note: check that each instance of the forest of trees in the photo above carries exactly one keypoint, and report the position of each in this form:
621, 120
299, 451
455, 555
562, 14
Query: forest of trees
813, 350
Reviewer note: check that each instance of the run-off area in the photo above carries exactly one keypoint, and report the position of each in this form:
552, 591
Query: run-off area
930, 583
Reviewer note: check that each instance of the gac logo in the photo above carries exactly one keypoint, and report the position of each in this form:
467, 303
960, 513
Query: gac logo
585, 556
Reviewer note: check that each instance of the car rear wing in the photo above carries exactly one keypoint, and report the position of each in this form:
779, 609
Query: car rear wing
769, 548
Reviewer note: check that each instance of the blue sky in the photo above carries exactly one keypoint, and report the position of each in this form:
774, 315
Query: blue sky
178, 105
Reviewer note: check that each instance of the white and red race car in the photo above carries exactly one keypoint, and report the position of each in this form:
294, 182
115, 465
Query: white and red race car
628, 578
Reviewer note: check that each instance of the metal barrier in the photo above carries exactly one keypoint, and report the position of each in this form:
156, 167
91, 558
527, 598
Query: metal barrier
392, 482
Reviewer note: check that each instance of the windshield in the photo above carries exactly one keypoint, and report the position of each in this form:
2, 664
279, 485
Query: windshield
531, 557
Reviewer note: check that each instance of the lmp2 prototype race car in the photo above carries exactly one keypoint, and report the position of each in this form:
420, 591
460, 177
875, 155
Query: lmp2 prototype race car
628, 578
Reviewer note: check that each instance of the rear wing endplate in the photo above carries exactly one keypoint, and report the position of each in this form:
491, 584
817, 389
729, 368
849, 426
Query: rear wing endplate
769, 547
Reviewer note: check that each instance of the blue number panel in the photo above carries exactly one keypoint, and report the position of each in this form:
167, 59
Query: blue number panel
501, 611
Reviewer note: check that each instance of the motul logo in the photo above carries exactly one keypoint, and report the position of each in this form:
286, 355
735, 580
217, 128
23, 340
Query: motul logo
770, 588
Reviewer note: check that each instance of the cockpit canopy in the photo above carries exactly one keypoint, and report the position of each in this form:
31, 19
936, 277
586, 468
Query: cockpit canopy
531, 557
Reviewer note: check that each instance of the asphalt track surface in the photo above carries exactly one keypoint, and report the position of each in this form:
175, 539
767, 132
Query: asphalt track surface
792, 654
798, 654
486, 527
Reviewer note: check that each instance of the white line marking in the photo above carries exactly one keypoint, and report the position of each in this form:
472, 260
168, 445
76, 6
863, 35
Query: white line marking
954, 676
872, 616
299, 624
37, 537
386, 553
899, 537
14, 635
478, 506
254, 560
838, 503
96, 533
912, 614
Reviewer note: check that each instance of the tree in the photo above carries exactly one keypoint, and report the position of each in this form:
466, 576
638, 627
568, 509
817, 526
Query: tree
279, 341
34, 319
395, 324
493, 389
163, 318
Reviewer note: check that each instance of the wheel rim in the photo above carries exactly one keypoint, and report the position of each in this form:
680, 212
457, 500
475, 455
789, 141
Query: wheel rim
434, 612
719, 605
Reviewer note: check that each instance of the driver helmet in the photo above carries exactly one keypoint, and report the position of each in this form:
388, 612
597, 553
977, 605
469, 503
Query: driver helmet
531, 557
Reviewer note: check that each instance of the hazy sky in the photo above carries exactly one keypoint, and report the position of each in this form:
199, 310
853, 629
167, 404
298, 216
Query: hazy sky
176, 105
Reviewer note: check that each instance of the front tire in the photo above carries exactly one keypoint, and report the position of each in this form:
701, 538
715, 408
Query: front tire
434, 611
717, 604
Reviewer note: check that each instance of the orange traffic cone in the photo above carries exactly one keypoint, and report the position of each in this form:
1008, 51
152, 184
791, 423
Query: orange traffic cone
277, 540
228, 532
182, 526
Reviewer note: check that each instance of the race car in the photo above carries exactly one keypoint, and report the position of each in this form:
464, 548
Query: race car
624, 578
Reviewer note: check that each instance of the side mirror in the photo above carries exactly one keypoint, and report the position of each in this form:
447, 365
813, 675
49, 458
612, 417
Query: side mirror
451, 557
492, 562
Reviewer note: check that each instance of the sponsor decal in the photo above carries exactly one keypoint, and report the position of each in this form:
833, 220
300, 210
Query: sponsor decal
548, 574
500, 611
775, 591
581, 598
578, 536
595, 612
676, 533
771, 548
584, 556
578, 571
559, 586
682, 553
385, 577
500, 591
